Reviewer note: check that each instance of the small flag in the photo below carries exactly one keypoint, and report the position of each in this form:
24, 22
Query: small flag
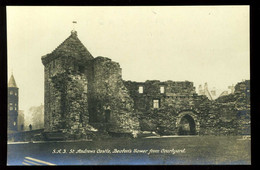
74, 22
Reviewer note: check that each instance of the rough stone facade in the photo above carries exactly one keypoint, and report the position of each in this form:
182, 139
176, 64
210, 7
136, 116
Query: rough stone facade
174, 99
180, 105
83, 93
235, 110
110, 100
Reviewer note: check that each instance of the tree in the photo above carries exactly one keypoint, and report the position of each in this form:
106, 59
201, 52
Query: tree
37, 114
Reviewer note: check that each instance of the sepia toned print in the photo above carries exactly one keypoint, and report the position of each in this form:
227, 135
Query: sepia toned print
175, 90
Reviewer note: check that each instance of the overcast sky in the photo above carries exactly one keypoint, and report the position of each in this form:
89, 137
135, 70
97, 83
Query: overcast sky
199, 44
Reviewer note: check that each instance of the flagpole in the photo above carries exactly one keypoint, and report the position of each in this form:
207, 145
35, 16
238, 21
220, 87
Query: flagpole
74, 22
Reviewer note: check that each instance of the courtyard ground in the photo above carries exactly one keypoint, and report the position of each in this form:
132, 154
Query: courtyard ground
181, 150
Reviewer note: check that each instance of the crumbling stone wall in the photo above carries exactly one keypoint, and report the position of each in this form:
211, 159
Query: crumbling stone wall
219, 117
235, 110
176, 98
82, 91
83, 96
66, 106
110, 95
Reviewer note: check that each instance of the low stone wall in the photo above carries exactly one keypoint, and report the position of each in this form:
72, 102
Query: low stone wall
24, 136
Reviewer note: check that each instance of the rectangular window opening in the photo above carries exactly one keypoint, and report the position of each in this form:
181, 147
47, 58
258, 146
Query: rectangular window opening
141, 89
162, 89
156, 103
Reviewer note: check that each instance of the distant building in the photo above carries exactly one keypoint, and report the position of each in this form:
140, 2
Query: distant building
214, 93
205, 91
224, 93
13, 106
201, 90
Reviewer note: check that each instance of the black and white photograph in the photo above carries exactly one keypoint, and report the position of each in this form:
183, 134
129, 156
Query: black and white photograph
128, 85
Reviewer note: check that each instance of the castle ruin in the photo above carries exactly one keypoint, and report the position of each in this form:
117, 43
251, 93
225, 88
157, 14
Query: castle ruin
82, 92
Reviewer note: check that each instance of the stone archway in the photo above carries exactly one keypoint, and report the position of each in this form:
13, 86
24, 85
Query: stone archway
187, 123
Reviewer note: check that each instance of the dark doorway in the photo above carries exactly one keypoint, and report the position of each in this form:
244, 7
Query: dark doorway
187, 126
107, 116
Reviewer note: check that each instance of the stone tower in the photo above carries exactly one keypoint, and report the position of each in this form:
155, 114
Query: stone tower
13, 108
65, 85
82, 92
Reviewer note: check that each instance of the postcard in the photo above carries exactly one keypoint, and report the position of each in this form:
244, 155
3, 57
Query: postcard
128, 85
